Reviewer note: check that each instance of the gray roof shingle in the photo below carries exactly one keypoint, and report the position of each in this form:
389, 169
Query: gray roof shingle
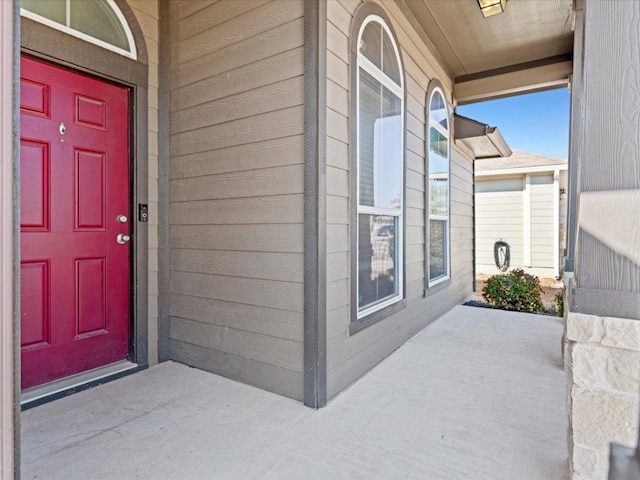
518, 159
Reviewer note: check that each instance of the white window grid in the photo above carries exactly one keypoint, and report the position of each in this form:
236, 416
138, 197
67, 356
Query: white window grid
131, 53
446, 218
398, 90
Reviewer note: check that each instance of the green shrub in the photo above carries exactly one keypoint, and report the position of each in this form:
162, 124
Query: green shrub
516, 290
560, 303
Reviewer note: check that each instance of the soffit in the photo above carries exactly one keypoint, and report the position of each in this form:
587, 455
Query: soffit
468, 43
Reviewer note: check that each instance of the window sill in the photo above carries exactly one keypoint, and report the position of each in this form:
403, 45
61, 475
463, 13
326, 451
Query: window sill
437, 287
360, 324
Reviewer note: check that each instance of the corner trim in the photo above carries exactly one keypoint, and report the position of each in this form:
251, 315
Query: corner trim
526, 220
556, 222
474, 232
576, 138
315, 268
164, 250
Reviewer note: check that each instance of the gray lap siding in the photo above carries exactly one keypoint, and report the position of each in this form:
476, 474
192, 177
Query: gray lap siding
236, 190
349, 357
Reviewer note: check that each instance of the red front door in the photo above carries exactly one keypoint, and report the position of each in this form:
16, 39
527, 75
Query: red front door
74, 202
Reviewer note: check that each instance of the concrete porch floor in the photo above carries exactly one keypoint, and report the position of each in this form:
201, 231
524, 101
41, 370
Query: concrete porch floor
479, 394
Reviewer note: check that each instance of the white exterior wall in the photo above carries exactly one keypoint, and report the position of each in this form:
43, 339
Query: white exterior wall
526, 212
499, 204
542, 203
562, 228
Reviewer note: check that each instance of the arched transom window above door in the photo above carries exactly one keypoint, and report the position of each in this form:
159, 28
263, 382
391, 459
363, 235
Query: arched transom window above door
96, 21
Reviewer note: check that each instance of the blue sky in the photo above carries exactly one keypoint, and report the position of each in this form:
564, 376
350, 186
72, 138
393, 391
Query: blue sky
536, 122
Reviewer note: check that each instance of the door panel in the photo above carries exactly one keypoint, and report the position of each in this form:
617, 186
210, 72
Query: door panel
90, 292
89, 188
34, 277
35, 206
74, 184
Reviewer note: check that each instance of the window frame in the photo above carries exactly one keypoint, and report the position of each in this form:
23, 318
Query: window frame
363, 317
436, 88
131, 53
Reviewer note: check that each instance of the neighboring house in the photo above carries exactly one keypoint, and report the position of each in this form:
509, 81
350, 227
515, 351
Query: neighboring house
521, 200
279, 192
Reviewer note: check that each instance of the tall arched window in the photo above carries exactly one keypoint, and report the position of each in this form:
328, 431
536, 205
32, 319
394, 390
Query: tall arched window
438, 188
380, 165
96, 21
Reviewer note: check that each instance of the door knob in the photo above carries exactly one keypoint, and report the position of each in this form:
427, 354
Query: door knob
122, 238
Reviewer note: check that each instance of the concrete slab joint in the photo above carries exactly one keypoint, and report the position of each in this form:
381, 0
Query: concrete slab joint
603, 394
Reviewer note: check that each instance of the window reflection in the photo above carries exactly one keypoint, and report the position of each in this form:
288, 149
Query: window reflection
380, 172
438, 110
370, 43
377, 258
438, 188
438, 250
438, 173
380, 127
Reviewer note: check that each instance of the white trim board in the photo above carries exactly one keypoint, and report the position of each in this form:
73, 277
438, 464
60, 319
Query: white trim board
526, 221
556, 223
521, 170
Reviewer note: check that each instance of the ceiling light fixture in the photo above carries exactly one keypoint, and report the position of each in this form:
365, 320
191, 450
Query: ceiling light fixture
492, 7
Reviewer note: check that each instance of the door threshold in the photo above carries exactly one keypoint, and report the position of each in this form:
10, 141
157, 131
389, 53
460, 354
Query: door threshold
48, 392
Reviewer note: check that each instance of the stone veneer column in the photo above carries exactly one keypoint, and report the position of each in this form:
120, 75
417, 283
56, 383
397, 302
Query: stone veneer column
603, 362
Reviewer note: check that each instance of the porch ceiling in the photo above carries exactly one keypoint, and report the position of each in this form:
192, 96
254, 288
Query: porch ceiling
531, 35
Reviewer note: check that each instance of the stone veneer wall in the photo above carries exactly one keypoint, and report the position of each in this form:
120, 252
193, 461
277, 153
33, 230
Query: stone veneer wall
602, 356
